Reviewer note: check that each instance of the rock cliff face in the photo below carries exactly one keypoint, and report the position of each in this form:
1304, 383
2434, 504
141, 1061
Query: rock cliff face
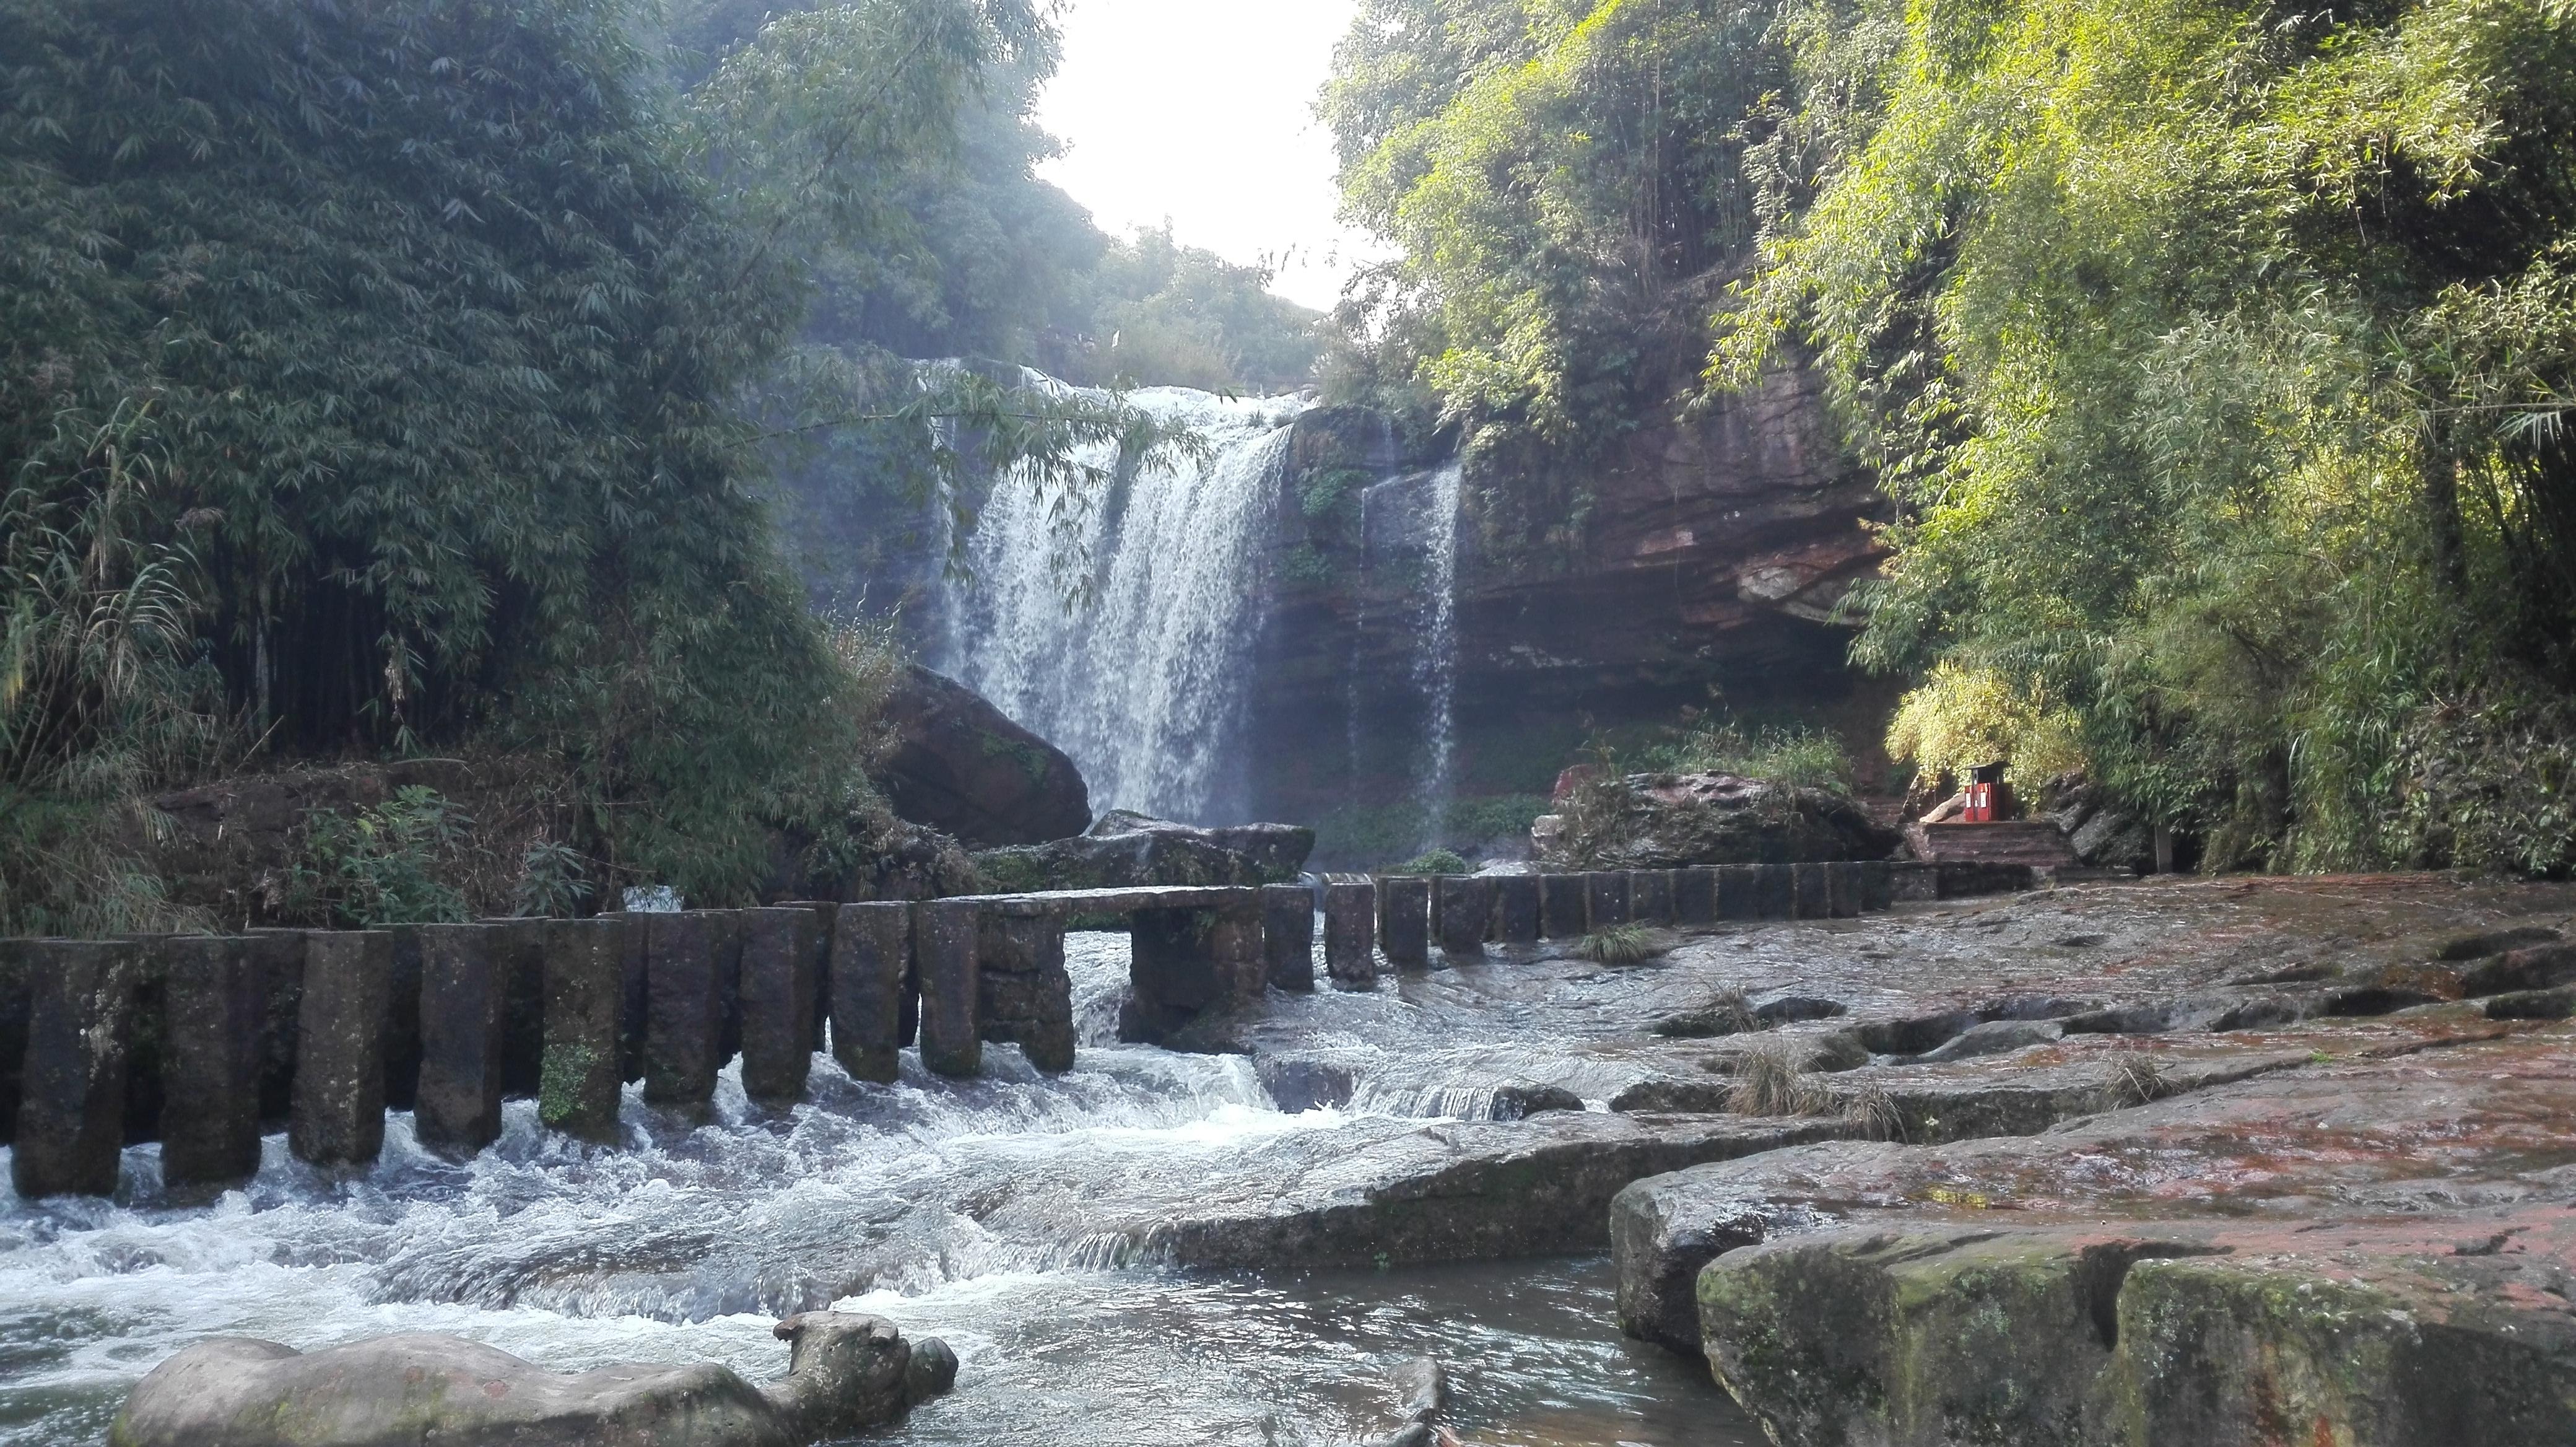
1707, 553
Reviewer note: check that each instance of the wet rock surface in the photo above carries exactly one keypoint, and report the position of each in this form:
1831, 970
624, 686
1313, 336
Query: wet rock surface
1127, 850
961, 766
848, 1374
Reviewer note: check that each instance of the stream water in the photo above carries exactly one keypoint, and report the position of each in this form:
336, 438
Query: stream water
954, 1208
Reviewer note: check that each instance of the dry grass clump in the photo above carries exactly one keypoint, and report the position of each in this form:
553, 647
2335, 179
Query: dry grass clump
1771, 1079
1623, 944
2139, 1079
1873, 1111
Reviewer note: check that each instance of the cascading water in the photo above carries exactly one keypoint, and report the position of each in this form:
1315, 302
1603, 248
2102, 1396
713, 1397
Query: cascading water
984, 1211
1141, 681
1435, 667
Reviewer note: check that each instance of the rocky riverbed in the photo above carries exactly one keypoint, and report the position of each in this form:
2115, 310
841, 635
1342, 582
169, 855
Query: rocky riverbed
2042, 1167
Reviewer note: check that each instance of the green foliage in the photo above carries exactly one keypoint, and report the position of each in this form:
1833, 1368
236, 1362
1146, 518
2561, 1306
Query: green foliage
378, 866
1306, 564
1563, 182
1810, 758
1437, 861
2220, 359
552, 882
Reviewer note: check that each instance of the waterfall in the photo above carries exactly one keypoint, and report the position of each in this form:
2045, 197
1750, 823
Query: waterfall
1435, 666
1142, 680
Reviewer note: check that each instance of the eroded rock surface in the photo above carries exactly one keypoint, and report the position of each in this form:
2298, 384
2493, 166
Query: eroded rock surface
1127, 850
847, 1375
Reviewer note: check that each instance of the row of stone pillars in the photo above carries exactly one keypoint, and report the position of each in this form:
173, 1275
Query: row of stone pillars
204, 1043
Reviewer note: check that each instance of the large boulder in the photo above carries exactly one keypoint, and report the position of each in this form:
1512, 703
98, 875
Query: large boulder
960, 766
847, 1375
1674, 821
1127, 850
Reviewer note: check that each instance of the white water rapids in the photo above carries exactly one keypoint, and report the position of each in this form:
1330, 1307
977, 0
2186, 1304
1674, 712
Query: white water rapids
1143, 684
971, 1210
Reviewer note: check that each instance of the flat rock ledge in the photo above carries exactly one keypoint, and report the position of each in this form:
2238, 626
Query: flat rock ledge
2376, 1248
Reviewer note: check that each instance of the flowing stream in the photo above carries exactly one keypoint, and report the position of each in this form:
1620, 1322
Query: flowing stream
968, 1210
1135, 667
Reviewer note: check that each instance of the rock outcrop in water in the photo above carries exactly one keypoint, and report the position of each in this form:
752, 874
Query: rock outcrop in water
961, 767
847, 1375
1673, 821
1127, 850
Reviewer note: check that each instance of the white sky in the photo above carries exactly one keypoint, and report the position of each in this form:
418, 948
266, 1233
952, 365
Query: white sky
1202, 111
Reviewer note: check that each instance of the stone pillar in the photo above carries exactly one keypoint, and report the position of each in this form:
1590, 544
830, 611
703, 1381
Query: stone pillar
339, 1114
1608, 893
944, 940
827, 914
146, 1019
585, 1009
681, 1013
1843, 887
402, 1021
1739, 891
16, 972
1023, 995
519, 969
1516, 908
210, 1064
1877, 885
1187, 961
1775, 891
1404, 929
464, 995
1695, 896
777, 1009
1466, 916
634, 959
71, 1104
871, 964
1913, 881
1288, 936
724, 937
1350, 931
1650, 896
1565, 905
277, 956
1810, 894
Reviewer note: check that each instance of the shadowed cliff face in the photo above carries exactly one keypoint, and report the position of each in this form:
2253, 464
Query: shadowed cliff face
1710, 552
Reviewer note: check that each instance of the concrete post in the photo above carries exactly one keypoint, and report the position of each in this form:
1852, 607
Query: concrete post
1775, 891
1404, 931
402, 1021
944, 937
1608, 892
1695, 896
1466, 915
777, 1002
519, 970
1877, 885
724, 937
1810, 892
871, 961
1739, 891
1565, 906
1843, 887
1288, 936
585, 1009
339, 1115
16, 972
1516, 908
681, 1012
1350, 932
464, 994
277, 955
1650, 896
1023, 995
210, 1065
827, 915
147, 1019
1913, 881
635, 959
71, 1104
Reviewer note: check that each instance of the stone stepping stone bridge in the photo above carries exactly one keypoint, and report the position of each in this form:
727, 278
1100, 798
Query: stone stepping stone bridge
205, 1042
